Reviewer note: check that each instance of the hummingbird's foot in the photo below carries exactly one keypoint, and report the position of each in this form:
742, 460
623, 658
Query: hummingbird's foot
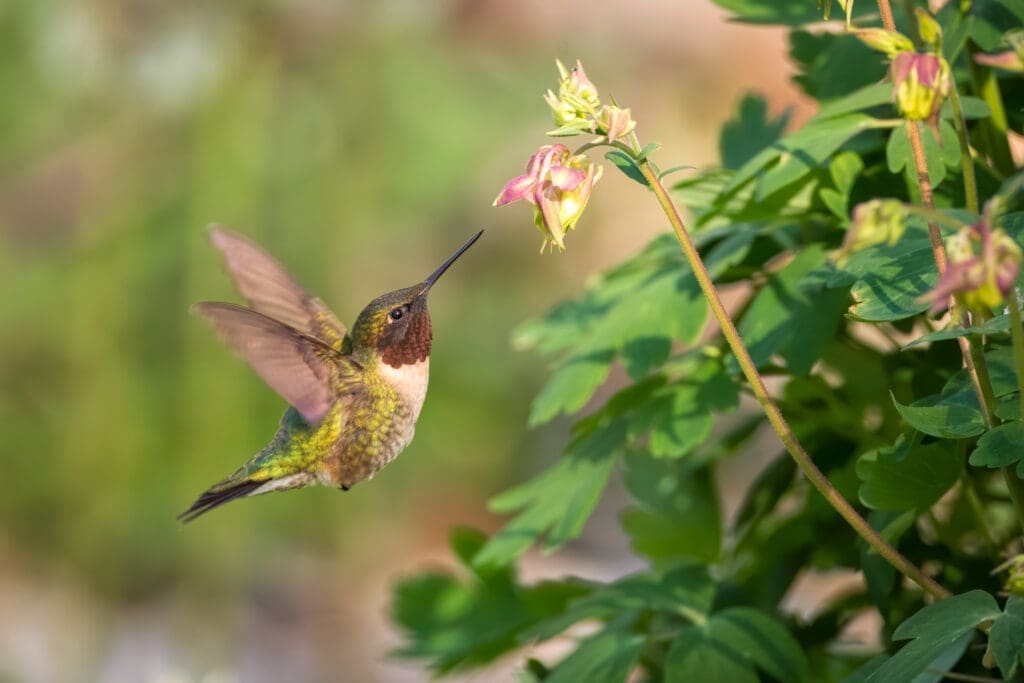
345, 487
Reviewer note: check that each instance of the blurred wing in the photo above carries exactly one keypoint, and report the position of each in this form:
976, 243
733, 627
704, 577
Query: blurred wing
305, 371
272, 291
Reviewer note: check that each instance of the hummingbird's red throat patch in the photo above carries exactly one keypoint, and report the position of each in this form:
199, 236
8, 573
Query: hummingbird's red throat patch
414, 347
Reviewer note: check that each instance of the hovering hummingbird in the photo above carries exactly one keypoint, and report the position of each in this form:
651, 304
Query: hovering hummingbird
354, 396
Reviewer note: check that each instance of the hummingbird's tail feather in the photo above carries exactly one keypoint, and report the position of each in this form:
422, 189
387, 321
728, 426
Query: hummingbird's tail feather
240, 485
217, 496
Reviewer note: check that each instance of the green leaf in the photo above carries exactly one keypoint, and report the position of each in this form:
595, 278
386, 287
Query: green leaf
938, 155
864, 98
683, 590
786, 12
972, 107
606, 657
1001, 372
934, 629
944, 420
833, 65
997, 325
1006, 639
749, 132
798, 152
806, 149
844, 169
891, 279
1000, 446
557, 502
695, 655
761, 641
460, 624
676, 516
793, 314
570, 386
907, 475
625, 163
730, 645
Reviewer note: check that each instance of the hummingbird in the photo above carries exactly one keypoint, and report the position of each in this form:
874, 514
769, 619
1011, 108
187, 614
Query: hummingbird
354, 395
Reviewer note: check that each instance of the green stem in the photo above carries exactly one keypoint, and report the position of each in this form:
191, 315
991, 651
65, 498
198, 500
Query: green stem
778, 422
966, 162
994, 128
1013, 482
971, 494
1017, 337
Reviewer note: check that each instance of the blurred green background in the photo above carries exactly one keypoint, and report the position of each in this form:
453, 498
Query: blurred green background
360, 142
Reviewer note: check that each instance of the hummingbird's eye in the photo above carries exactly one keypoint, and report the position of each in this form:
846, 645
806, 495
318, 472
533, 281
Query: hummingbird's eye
396, 313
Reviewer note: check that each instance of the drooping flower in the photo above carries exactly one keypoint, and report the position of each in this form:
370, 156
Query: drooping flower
982, 267
558, 185
921, 84
577, 102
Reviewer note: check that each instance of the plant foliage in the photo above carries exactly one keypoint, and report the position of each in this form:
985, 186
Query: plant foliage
872, 384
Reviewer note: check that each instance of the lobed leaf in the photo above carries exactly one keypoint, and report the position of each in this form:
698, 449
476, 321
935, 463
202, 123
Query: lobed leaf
907, 475
557, 502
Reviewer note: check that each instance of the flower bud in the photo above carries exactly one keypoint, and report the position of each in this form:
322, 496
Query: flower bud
874, 222
575, 106
928, 28
614, 122
889, 42
920, 83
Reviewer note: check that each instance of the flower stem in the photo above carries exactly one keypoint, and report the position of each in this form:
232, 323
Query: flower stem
778, 422
1017, 337
1013, 482
925, 183
885, 9
974, 501
966, 162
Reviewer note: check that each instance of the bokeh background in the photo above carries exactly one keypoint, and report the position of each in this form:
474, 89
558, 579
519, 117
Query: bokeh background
360, 141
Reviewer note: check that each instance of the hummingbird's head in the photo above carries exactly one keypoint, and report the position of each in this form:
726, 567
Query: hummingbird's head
397, 324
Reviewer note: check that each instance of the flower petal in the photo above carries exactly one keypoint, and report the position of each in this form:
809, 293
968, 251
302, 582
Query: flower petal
518, 188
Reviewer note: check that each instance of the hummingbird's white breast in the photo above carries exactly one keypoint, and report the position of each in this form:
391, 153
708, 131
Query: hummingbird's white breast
410, 381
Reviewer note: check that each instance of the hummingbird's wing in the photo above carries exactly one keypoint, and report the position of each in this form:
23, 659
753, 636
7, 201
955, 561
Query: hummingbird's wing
272, 291
305, 371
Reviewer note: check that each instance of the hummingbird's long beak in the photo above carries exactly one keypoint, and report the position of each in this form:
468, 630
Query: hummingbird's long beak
428, 283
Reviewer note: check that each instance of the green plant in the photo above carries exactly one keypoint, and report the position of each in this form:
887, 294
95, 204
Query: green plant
908, 437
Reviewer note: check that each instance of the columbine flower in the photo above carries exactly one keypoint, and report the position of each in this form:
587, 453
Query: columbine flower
576, 103
874, 222
982, 268
558, 185
921, 84
614, 122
